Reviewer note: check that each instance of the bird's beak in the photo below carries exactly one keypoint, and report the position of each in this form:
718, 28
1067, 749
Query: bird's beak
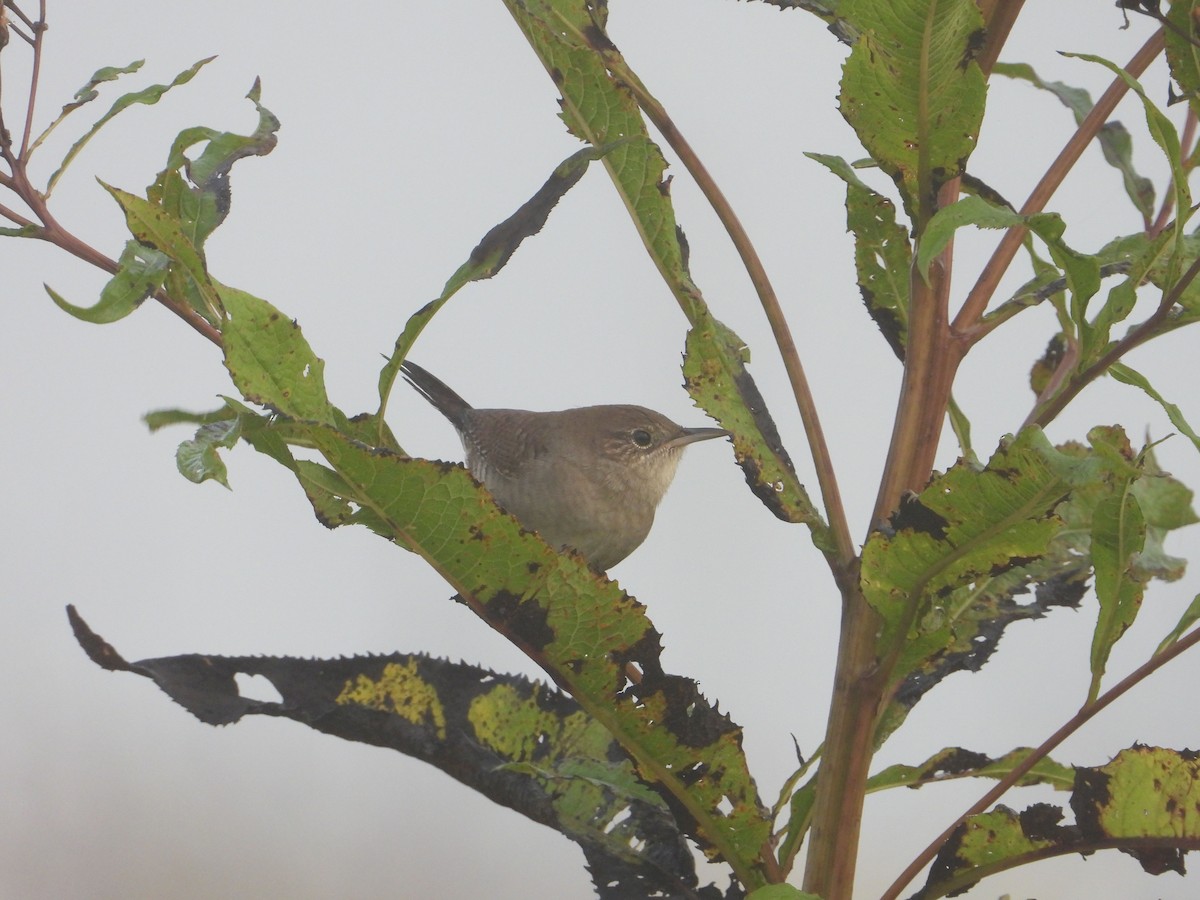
691, 435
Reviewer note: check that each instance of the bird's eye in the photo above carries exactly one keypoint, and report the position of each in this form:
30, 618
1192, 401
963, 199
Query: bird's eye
641, 437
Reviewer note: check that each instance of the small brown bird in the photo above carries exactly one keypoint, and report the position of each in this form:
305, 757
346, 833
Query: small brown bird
587, 478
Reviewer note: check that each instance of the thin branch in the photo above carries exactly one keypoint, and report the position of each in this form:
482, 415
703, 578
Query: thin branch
14, 216
970, 315
1072, 725
39, 30
21, 15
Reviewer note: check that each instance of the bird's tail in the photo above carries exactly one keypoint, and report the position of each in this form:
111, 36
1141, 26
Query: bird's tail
433, 389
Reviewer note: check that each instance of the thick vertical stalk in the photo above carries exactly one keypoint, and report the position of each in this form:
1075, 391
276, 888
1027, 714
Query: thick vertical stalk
930, 363
846, 760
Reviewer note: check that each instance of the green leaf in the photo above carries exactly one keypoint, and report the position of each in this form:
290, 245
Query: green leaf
966, 528
581, 627
1118, 534
882, 253
711, 360
1165, 136
1114, 139
198, 459
23, 231
1183, 56
954, 762
1082, 272
85, 95
1190, 617
780, 892
270, 361
1126, 375
146, 96
141, 273
161, 418
201, 200
153, 226
913, 92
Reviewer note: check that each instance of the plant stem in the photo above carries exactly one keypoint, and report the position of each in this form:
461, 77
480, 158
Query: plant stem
932, 356
1070, 727
849, 741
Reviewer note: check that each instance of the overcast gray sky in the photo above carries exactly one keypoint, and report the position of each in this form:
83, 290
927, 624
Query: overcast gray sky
408, 131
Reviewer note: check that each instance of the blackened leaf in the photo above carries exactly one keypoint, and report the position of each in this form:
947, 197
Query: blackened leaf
580, 627
955, 762
1143, 803
517, 742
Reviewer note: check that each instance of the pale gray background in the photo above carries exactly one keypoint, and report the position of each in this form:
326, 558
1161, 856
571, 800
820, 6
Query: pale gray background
408, 131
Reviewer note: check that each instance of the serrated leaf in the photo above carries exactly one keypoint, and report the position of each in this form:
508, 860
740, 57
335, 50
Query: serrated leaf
1142, 803
882, 253
581, 627
913, 92
141, 273
474, 724
711, 363
1146, 794
147, 97
967, 526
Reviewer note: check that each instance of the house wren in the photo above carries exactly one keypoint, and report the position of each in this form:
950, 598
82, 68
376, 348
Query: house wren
587, 478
